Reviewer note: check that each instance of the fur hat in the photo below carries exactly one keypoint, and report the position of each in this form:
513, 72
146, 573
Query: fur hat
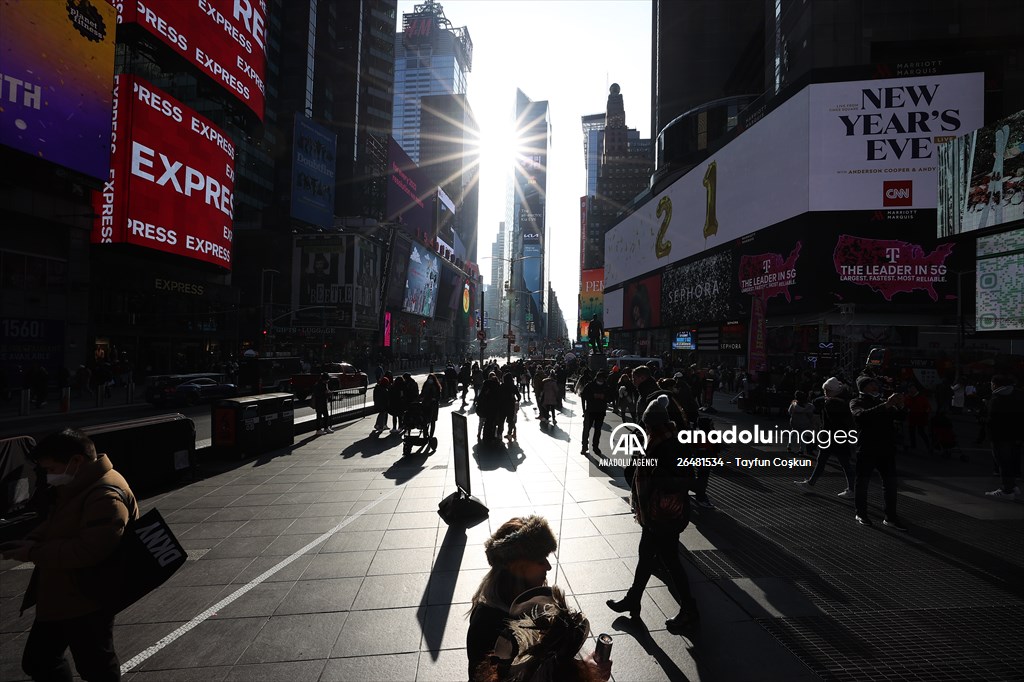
657, 412
533, 540
833, 386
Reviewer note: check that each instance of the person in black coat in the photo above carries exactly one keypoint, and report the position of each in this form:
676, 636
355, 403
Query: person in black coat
835, 417
876, 447
595, 396
508, 404
1005, 410
381, 402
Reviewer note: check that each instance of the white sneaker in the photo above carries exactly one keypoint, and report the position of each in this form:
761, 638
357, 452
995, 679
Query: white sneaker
1000, 494
846, 494
321, 432
330, 430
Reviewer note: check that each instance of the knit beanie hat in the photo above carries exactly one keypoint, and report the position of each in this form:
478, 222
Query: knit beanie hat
863, 380
532, 540
657, 412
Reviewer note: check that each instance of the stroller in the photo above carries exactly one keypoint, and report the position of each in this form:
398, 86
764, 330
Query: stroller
416, 423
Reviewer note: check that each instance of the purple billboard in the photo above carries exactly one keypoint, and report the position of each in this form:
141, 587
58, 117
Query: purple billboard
57, 62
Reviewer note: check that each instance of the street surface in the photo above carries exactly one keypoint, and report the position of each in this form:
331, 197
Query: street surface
328, 561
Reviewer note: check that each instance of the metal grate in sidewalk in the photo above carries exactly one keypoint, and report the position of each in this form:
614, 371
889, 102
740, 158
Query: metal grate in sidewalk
951, 645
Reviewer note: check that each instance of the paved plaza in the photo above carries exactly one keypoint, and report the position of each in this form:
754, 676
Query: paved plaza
328, 561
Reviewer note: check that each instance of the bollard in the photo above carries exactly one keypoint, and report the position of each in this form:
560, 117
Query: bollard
26, 402
65, 399
99, 395
130, 392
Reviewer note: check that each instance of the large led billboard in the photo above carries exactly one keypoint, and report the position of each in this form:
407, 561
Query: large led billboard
411, 193
225, 39
1000, 282
860, 145
421, 284
313, 169
981, 178
171, 180
700, 291
56, 72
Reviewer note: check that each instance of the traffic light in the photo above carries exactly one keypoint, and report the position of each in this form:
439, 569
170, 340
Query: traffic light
264, 332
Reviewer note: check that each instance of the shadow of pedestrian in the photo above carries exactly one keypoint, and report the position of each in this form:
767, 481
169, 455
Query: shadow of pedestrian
636, 629
368, 447
493, 455
435, 604
406, 468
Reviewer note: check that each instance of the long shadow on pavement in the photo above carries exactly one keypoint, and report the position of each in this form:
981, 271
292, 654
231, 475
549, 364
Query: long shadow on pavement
441, 588
638, 631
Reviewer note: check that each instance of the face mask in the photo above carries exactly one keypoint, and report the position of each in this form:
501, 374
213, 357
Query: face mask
61, 479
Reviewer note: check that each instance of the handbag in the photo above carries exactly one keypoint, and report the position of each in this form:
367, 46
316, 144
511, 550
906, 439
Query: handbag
146, 556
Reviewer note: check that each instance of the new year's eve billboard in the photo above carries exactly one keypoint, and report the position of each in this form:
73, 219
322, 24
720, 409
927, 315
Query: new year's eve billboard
171, 181
313, 169
860, 145
56, 73
225, 39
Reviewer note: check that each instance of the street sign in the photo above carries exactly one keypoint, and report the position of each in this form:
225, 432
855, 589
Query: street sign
480, 336
512, 338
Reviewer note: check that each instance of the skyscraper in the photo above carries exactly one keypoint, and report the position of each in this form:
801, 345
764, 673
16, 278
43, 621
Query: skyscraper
526, 216
431, 58
496, 303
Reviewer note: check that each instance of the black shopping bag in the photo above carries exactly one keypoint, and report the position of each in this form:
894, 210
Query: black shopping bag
147, 555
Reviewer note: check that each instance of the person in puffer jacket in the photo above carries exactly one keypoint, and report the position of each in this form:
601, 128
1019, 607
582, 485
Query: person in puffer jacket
83, 527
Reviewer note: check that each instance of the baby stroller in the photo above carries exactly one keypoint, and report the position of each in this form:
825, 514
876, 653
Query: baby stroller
416, 425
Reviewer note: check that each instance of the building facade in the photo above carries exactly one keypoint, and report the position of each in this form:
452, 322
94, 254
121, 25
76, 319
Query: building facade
780, 232
431, 58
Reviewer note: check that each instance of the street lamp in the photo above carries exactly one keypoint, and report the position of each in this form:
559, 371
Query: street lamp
263, 307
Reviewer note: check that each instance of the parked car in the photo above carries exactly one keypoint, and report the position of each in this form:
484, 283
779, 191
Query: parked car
197, 390
343, 377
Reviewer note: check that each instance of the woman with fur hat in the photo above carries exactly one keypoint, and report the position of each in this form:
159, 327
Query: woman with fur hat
517, 553
661, 502
541, 642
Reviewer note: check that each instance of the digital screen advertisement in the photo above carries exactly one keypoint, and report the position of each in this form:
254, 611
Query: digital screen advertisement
313, 170
421, 284
56, 75
410, 194
999, 277
849, 146
981, 178
699, 291
225, 39
642, 303
591, 297
171, 179
684, 341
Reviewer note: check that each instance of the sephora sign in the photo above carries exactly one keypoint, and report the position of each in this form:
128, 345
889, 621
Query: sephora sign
171, 180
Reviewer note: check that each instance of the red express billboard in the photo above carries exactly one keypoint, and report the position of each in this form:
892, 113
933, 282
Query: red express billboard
171, 180
225, 39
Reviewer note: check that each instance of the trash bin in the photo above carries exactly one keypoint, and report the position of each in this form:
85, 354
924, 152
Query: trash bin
151, 452
254, 424
234, 426
277, 421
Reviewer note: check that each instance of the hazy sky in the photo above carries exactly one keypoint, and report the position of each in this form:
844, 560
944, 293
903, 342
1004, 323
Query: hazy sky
566, 52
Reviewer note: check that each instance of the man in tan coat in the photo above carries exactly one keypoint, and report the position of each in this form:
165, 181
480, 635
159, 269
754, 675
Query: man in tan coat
82, 528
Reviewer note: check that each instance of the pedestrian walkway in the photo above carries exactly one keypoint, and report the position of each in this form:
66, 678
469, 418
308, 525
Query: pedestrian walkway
328, 561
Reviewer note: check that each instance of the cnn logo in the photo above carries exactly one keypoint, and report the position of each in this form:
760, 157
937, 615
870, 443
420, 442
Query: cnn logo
898, 193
